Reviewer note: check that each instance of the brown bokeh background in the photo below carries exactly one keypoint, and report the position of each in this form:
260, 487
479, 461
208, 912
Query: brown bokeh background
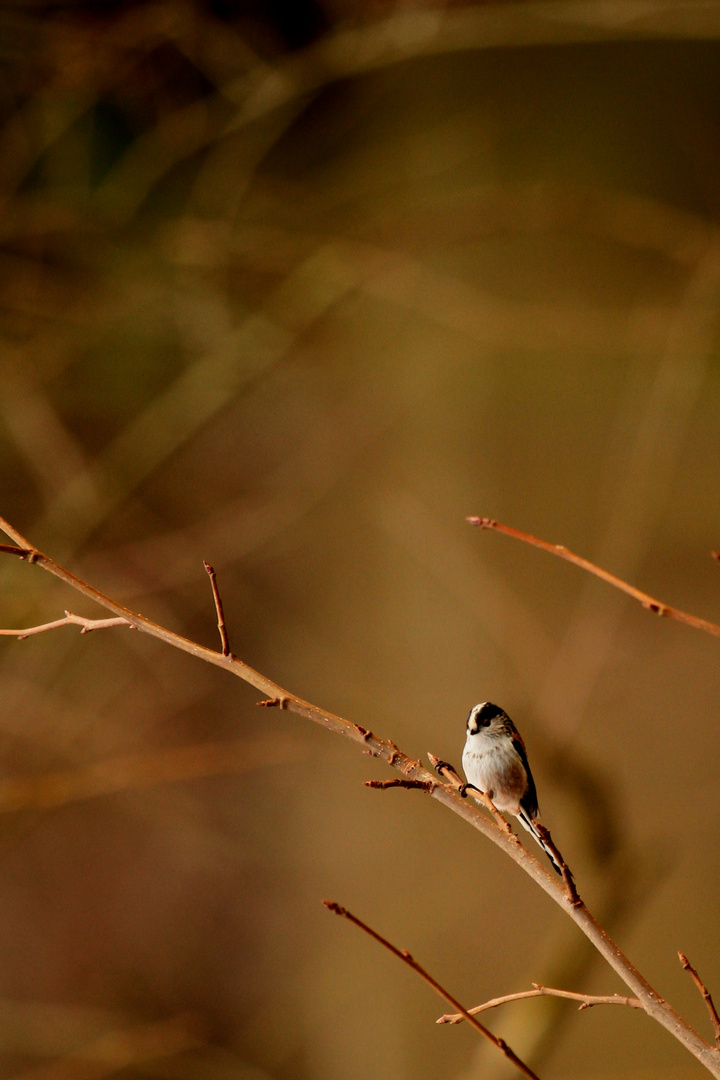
294, 288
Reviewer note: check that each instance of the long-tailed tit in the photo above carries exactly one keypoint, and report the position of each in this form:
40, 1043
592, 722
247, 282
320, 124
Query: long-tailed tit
495, 761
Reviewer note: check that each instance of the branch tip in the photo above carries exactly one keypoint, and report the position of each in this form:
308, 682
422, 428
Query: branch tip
715, 1019
333, 906
482, 522
224, 642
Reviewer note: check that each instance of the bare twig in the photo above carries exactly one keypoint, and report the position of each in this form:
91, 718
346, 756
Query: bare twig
120, 1050
10, 549
705, 993
419, 785
405, 956
219, 609
446, 770
504, 838
134, 772
69, 620
656, 606
586, 1001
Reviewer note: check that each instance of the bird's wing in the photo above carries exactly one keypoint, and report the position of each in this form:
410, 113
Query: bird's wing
529, 801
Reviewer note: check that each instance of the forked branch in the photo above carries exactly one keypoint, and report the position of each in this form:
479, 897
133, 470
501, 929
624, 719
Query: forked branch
411, 769
465, 1014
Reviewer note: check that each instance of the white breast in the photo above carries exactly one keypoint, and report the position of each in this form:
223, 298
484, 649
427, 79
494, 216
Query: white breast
493, 765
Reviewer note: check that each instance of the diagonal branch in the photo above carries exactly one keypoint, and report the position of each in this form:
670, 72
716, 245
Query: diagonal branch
586, 1001
705, 993
445, 793
446, 770
656, 606
405, 956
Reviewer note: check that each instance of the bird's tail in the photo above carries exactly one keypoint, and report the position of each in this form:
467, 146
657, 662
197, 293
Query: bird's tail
529, 824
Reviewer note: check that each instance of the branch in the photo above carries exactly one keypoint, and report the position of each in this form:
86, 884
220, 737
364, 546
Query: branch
411, 769
586, 1001
134, 772
705, 993
69, 620
419, 785
656, 606
446, 770
219, 609
405, 956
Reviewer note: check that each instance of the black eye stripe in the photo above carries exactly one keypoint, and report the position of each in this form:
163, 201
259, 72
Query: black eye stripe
488, 711
482, 715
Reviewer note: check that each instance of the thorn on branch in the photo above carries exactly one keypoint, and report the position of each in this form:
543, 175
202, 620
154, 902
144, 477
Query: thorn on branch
219, 609
274, 703
421, 785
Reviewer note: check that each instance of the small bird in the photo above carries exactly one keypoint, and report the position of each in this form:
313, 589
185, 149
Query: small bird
495, 761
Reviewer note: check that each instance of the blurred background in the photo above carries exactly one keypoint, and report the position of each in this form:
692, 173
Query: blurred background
294, 288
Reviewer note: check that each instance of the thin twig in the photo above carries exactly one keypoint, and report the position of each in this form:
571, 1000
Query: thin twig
70, 620
446, 770
656, 606
219, 609
419, 785
134, 772
10, 549
405, 956
653, 1004
586, 1001
705, 993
